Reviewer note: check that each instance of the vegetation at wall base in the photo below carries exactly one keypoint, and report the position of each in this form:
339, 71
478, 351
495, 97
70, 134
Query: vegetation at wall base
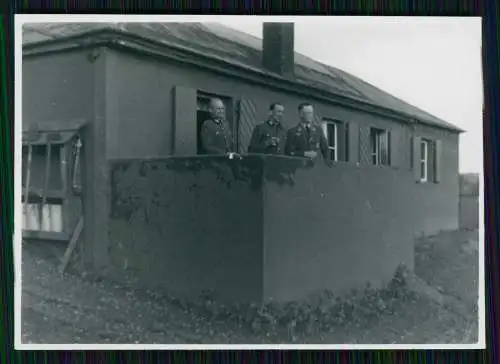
427, 305
317, 314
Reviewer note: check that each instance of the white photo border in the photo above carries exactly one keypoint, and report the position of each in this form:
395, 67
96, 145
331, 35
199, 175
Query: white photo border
20, 19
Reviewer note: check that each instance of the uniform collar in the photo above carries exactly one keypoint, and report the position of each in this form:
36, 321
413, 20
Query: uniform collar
303, 125
273, 122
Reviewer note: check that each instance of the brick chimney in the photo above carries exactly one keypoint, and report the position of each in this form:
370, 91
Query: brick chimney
278, 48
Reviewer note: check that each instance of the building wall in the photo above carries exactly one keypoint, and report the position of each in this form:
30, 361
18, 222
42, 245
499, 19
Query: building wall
185, 225
440, 200
143, 114
71, 85
469, 201
132, 98
143, 96
57, 87
469, 212
335, 228
140, 110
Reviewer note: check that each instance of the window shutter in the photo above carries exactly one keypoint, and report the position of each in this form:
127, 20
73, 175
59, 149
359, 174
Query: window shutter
430, 160
324, 127
416, 158
437, 161
353, 142
341, 146
184, 123
390, 160
398, 148
247, 120
384, 140
409, 150
365, 154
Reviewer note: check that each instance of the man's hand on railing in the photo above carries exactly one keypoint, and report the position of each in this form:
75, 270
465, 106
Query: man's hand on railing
232, 155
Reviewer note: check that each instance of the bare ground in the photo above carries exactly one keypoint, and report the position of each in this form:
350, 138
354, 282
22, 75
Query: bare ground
63, 309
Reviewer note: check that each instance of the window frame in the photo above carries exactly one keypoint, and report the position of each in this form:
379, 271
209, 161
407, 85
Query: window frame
228, 101
200, 103
324, 125
424, 161
202, 97
375, 142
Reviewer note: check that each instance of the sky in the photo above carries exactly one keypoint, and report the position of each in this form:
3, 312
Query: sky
430, 62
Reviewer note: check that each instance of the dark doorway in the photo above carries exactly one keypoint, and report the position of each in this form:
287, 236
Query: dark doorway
201, 116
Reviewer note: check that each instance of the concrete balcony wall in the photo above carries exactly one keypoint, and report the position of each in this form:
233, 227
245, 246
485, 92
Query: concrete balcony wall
261, 227
186, 225
334, 228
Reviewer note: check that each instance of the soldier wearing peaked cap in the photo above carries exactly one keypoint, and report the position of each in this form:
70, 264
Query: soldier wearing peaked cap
216, 136
267, 137
307, 138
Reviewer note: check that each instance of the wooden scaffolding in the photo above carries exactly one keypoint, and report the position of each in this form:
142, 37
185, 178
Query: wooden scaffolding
51, 183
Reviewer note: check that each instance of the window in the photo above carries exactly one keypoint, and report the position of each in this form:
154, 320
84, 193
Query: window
203, 113
429, 160
380, 147
330, 129
203, 103
424, 160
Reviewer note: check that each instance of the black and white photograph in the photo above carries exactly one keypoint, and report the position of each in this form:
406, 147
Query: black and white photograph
248, 182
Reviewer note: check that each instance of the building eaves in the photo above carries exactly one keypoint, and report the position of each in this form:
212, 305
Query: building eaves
118, 36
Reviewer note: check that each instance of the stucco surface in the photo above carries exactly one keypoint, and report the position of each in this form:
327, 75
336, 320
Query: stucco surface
189, 225
335, 228
260, 227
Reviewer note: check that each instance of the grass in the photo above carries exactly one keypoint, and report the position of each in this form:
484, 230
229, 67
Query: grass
436, 304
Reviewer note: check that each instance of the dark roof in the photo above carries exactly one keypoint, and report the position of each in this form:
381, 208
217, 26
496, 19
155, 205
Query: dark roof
219, 41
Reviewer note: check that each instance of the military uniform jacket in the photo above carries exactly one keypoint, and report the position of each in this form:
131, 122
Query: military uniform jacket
261, 141
301, 139
216, 137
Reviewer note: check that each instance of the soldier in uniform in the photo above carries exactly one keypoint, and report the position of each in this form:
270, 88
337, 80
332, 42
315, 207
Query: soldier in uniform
267, 137
216, 136
306, 139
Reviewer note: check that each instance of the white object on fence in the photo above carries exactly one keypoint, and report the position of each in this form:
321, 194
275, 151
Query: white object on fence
51, 218
31, 217
56, 218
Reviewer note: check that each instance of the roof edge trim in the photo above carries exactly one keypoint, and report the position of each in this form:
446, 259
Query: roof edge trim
122, 39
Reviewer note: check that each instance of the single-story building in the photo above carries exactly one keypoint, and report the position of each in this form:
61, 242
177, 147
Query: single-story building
257, 228
469, 201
